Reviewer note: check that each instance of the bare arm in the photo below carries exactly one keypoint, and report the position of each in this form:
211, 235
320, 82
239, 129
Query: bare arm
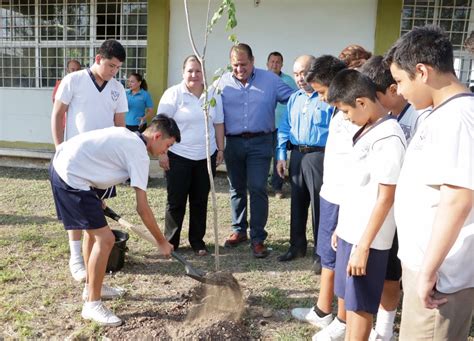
149, 220
358, 261
219, 128
454, 207
119, 119
57, 127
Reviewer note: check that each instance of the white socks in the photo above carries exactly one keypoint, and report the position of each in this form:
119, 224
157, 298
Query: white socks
75, 246
384, 324
93, 304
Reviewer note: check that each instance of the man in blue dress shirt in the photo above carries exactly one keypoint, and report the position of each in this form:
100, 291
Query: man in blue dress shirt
305, 130
275, 64
249, 97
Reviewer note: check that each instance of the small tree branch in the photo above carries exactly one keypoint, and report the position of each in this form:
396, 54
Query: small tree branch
190, 33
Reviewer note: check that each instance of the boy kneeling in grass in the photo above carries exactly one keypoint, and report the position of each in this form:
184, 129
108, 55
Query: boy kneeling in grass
366, 224
100, 159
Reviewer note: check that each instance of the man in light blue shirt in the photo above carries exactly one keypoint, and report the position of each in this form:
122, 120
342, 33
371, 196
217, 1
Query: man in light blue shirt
249, 97
305, 128
274, 64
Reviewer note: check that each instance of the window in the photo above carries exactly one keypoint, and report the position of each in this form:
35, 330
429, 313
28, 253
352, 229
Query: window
454, 17
38, 37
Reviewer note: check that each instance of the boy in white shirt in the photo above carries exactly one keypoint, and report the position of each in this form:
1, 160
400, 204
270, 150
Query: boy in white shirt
93, 99
409, 119
366, 225
94, 160
434, 199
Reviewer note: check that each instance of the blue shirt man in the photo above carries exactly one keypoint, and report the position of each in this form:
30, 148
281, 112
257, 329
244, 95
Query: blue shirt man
274, 64
305, 130
249, 97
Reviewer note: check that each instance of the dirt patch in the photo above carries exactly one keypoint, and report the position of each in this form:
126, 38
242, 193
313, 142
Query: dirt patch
205, 312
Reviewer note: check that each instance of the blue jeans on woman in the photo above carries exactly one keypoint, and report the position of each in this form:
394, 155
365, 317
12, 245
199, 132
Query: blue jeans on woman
248, 164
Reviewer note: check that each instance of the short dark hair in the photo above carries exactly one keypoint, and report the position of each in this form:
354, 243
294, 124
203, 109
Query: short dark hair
275, 53
166, 125
111, 48
73, 61
350, 84
427, 45
242, 47
375, 69
324, 69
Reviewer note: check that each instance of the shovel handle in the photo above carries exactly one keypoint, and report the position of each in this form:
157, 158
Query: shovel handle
179, 258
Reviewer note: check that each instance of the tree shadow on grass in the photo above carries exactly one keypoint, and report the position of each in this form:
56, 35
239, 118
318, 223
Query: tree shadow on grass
23, 173
13, 219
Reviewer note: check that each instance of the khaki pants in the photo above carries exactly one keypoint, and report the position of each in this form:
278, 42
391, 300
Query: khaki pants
451, 321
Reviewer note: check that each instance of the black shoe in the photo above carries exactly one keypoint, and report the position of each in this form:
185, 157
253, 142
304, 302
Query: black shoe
317, 265
290, 255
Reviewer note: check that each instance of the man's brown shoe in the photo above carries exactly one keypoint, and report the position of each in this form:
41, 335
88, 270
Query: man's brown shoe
235, 239
259, 250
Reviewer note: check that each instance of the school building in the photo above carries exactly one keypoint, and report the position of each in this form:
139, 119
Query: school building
38, 37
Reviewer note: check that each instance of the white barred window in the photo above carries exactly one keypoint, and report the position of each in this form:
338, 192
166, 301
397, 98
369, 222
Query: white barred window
455, 17
39, 37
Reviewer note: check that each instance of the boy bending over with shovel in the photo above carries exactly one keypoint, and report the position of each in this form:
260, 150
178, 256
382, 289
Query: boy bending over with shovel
99, 159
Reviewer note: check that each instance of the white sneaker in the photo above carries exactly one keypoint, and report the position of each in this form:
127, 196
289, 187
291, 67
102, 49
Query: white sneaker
310, 316
374, 336
107, 292
78, 271
99, 313
336, 331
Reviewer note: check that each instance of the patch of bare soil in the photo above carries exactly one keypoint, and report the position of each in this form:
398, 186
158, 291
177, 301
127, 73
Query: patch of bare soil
206, 312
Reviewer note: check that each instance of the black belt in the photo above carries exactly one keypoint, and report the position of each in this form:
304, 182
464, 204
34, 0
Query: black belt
248, 135
307, 149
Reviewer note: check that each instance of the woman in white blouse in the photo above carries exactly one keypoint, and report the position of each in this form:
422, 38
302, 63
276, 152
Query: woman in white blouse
185, 164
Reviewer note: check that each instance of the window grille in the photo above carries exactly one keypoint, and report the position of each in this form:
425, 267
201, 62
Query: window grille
39, 37
455, 17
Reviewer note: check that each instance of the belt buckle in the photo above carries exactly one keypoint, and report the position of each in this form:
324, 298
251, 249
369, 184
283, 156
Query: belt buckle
303, 149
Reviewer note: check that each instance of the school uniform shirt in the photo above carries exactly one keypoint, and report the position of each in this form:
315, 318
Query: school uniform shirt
337, 158
377, 158
409, 119
441, 152
179, 103
137, 105
103, 158
306, 123
90, 106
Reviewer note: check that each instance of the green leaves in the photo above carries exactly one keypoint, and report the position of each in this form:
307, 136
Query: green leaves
212, 102
229, 6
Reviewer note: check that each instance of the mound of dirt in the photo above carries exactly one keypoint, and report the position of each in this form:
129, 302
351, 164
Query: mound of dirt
206, 312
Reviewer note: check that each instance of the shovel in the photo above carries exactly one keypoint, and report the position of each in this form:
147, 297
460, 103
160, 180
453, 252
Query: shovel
192, 272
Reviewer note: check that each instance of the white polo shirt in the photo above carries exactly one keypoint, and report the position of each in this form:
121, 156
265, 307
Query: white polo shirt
441, 152
410, 119
103, 158
177, 102
337, 157
90, 107
377, 159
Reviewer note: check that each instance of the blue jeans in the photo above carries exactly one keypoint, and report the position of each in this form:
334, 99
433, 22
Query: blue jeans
248, 164
276, 181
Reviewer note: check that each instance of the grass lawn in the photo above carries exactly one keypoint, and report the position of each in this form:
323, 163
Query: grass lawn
39, 299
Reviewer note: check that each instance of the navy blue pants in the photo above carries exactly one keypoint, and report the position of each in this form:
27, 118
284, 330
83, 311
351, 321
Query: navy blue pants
248, 164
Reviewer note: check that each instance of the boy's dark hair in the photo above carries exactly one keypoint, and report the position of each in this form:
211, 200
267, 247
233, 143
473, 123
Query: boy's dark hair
193, 58
324, 69
112, 49
427, 45
350, 84
166, 125
241, 47
139, 77
375, 69
275, 53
